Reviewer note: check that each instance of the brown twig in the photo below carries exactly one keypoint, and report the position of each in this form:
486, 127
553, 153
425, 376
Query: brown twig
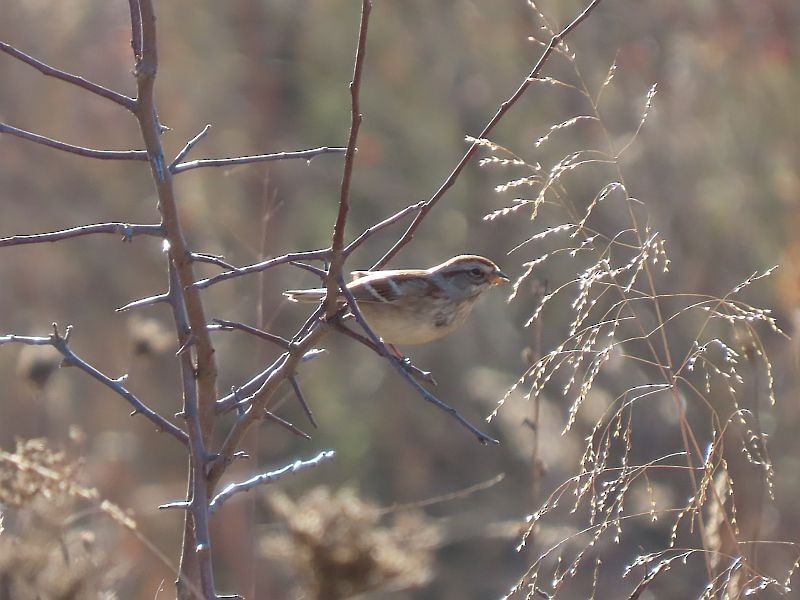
337, 244
77, 80
504, 108
126, 230
286, 425
72, 149
264, 335
136, 29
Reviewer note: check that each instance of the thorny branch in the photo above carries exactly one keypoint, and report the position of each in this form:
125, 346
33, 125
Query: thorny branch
268, 477
77, 80
126, 230
61, 343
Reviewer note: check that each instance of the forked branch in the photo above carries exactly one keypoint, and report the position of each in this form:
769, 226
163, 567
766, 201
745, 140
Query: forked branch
61, 343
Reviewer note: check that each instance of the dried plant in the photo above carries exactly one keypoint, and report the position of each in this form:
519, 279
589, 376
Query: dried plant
337, 542
673, 353
44, 552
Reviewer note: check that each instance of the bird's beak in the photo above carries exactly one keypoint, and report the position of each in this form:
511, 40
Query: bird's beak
498, 277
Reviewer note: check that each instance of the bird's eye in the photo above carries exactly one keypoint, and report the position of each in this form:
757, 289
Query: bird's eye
476, 273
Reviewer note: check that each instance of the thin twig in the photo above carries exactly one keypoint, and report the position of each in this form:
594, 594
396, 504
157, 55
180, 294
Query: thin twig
61, 343
286, 425
398, 365
149, 301
126, 230
257, 158
322, 273
264, 335
188, 147
414, 370
331, 302
302, 400
458, 494
179, 504
71, 149
262, 266
264, 478
77, 80
242, 396
136, 29
268, 382
504, 108
370, 231
212, 259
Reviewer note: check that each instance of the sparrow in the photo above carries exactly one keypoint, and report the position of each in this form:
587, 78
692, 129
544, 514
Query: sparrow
417, 306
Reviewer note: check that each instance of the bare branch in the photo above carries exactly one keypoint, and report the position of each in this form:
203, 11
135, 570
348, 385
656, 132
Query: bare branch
198, 366
412, 369
77, 80
504, 108
337, 244
126, 230
79, 150
370, 231
321, 273
264, 335
399, 366
61, 343
136, 29
243, 395
181, 504
257, 158
265, 385
212, 259
149, 301
188, 147
300, 398
269, 477
286, 425
262, 266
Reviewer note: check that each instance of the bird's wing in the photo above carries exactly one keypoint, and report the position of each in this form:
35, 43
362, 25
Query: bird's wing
382, 286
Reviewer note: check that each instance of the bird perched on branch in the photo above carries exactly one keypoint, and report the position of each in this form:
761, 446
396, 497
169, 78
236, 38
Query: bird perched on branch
416, 306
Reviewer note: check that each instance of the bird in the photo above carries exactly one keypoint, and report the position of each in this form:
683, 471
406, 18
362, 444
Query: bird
417, 306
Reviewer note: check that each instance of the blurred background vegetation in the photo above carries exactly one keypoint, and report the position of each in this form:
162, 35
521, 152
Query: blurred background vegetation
716, 164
